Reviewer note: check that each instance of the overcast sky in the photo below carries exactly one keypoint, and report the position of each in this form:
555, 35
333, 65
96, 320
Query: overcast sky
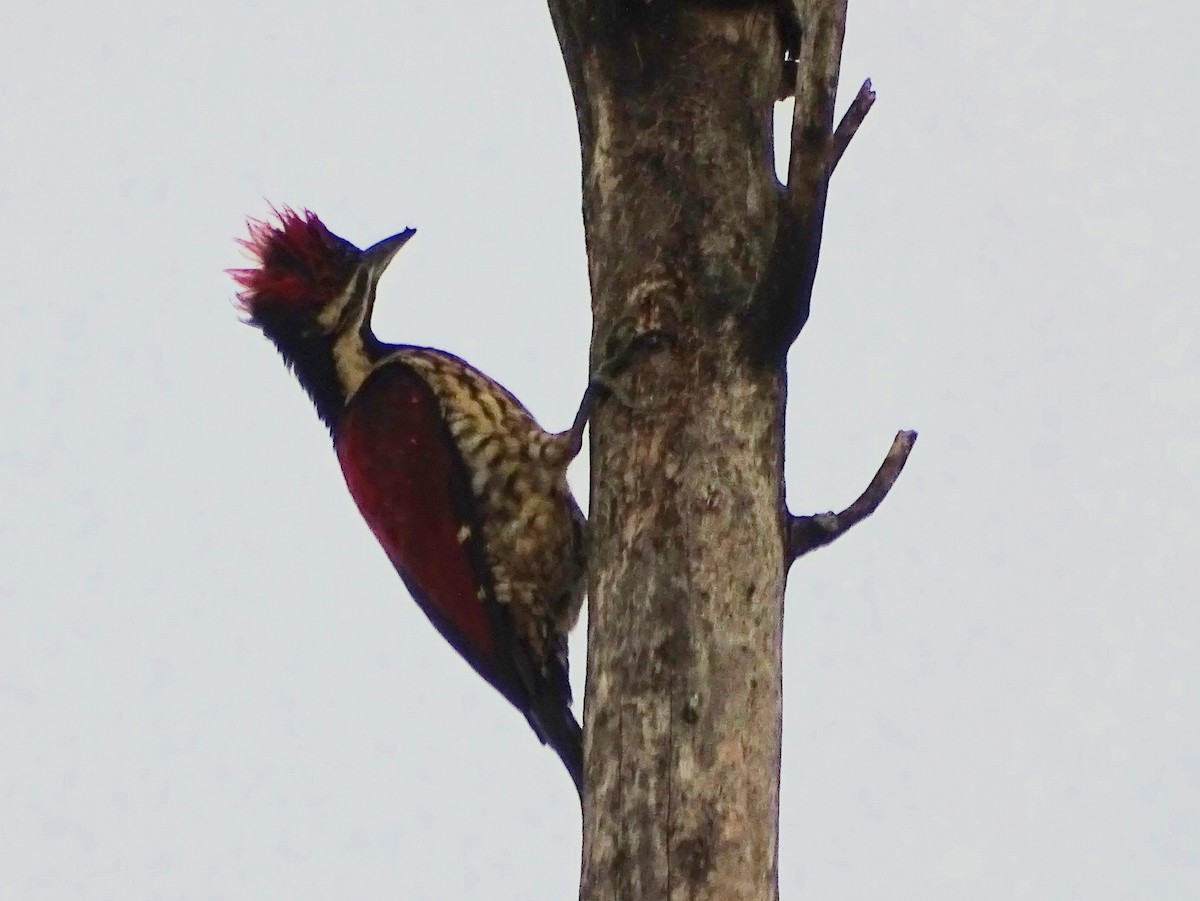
212, 684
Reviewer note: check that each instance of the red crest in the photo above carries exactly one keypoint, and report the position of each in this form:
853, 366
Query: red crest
301, 264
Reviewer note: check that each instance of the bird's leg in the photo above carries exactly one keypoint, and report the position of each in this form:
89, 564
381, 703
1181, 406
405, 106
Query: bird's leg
624, 348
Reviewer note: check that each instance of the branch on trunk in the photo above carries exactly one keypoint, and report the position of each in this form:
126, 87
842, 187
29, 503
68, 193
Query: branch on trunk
851, 120
807, 533
785, 296
819, 58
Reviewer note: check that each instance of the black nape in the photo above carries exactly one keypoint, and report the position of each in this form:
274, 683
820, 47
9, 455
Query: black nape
308, 352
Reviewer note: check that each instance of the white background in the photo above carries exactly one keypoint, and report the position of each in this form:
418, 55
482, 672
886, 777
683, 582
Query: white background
212, 684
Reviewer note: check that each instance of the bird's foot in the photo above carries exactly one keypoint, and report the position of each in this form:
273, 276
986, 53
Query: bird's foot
624, 345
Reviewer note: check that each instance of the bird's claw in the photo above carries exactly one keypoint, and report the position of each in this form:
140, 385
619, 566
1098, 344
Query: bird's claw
621, 348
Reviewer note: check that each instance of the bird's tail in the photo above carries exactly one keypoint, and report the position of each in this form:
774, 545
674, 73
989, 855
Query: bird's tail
556, 725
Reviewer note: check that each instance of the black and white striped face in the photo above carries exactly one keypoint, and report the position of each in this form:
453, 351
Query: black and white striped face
349, 308
347, 317
311, 295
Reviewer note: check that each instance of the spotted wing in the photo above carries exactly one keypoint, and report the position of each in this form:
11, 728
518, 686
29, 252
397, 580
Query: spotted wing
408, 480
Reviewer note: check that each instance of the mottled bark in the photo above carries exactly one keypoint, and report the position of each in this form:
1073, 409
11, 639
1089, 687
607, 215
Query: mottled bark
689, 232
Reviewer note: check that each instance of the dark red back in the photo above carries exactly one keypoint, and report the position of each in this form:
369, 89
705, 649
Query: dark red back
410, 486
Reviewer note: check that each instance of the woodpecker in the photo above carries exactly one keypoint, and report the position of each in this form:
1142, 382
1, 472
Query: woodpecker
464, 491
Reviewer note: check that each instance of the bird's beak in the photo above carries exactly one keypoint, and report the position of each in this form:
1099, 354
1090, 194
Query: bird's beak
375, 259
377, 256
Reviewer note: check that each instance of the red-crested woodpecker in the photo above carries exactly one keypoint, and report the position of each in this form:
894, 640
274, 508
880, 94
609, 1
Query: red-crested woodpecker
467, 495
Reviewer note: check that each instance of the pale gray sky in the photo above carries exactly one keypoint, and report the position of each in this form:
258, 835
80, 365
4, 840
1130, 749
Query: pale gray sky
212, 684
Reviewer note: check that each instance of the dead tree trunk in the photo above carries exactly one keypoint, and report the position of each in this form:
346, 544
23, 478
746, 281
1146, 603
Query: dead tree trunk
689, 232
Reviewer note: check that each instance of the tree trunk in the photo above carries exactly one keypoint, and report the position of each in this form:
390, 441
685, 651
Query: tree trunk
689, 232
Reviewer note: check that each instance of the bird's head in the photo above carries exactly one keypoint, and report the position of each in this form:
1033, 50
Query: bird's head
308, 281
311, 294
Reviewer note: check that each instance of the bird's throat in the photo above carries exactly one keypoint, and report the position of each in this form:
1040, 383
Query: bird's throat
352, 361
330, 368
